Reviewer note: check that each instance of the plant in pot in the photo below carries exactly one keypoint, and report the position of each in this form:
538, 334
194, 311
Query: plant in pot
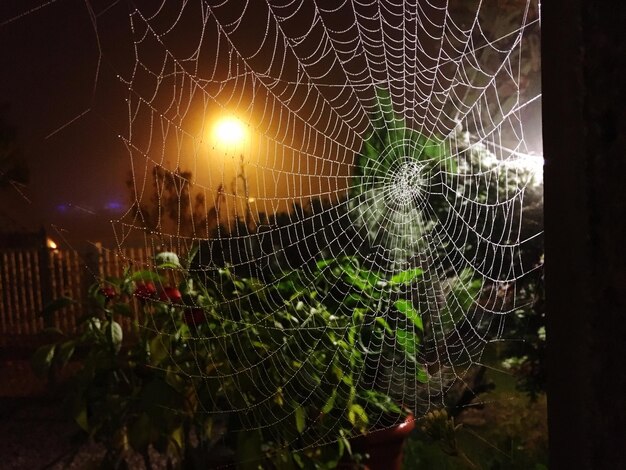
229, 370
394, 328
285, 362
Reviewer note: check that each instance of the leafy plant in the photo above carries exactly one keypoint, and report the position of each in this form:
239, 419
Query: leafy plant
231, 366
117, 397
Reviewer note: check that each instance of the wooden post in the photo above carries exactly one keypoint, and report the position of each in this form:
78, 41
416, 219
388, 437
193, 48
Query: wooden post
45, 270
584, 135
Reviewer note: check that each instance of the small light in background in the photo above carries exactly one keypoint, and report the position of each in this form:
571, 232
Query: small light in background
114, 206
50, 243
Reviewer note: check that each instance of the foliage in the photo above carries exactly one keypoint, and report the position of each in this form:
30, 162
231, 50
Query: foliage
207, 370
526, 358
509, 433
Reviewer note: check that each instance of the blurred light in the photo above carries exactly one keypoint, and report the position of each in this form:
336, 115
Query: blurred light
530, 163
113, 206
230, 131
251, 200
51, 244
534, 163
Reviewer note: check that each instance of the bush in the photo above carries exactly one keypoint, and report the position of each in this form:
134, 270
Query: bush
231, 366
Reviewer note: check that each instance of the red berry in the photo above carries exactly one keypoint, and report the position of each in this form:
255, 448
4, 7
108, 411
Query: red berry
194, 316
108, 292
171, 294
145, 290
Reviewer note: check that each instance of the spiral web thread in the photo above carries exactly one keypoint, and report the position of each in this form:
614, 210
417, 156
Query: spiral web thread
311, 81
305, 79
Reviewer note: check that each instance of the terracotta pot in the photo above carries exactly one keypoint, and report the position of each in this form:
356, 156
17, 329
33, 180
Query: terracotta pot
385, 447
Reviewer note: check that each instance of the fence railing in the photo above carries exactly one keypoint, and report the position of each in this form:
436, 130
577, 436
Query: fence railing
30, 278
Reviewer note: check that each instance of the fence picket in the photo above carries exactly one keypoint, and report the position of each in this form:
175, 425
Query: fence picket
6, 294
3, 289
37, 280
16, 297
29, 288
31, 277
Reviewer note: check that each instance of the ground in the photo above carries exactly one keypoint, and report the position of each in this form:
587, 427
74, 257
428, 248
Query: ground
36, 434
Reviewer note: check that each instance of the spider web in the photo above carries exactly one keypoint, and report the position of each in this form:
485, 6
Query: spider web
434, 86
386, 134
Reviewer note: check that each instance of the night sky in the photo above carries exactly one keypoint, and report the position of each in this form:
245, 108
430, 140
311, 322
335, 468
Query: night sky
66, 114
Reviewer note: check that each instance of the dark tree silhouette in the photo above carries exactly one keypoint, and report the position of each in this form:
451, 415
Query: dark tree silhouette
171, 206
13, 168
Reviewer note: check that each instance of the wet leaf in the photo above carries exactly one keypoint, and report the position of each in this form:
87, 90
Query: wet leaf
406, 277
300, 416
406, 308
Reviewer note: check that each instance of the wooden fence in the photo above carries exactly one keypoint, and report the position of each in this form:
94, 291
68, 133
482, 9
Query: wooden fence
32, 277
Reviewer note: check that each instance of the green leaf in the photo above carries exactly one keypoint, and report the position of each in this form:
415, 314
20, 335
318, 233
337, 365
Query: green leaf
352, 335
406, 307
422, 375
64, 352
462, 296
159, 349
347, 379
80, 415
208, 428
93, 324
328, 406
451, 165
298, 459
122, 309
140, 433
177, 437
406, 277
116, 335
51, 334
356, 280
357, 416
353, 300
434, 150
385, 114
381, 401
321, 264
42, 359
384, 324
300, 416
167, 259
345, 442
409, 343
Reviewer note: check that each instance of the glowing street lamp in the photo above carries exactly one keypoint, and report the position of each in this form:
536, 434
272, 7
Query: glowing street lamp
230, 131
